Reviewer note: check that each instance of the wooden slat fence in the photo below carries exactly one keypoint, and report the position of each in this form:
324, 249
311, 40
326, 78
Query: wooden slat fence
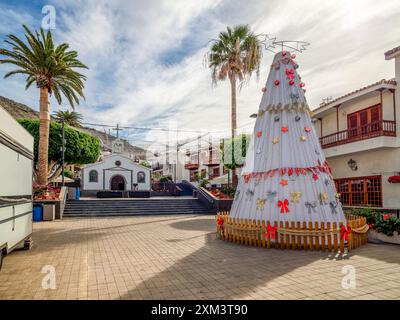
295, 235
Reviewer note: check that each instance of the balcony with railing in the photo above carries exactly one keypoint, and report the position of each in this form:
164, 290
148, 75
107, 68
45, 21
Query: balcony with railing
212, 160
370, 130
192, 163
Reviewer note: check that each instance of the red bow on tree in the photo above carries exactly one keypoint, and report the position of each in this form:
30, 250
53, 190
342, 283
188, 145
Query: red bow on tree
290, 73
284, 205
271, 231
344, 232
220, 222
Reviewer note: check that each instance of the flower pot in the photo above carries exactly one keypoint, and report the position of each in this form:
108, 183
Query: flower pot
374, 235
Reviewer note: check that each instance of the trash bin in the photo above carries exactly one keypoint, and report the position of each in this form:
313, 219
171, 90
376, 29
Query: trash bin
37, 212
78, 193
194, 193
49, 212
71, 193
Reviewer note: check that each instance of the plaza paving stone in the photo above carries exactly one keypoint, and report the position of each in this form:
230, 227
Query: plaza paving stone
180, 257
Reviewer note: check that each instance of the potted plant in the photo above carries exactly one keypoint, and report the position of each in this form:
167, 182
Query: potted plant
394, 179
383, 227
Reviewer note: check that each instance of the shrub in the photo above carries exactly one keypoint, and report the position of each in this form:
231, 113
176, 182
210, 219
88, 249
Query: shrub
80, 147
165, 179
382, 222
229, 191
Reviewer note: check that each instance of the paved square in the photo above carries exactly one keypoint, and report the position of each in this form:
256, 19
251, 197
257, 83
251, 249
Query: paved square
180, 257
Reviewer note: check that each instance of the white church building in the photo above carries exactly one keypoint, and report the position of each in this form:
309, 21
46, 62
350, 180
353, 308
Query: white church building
115, 172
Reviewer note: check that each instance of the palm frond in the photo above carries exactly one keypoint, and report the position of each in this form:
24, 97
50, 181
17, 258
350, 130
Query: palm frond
236, 53
45, 64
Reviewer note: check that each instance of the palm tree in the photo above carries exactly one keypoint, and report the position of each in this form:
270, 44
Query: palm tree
71, 118
235, 55
52, 70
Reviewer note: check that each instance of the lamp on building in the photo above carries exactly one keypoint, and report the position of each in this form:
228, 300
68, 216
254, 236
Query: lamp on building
352, 164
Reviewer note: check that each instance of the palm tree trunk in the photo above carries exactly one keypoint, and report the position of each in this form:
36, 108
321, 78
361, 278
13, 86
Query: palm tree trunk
233, 105
44, 128
232, 78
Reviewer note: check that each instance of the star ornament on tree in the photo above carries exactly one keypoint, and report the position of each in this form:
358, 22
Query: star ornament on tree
269, 42
295, 195
260, 204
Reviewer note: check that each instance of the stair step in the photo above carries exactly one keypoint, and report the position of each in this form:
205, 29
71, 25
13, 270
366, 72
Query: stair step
76, 208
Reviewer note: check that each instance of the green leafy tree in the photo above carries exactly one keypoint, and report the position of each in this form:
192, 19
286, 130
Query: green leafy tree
71, 118
80, 147
200, 177
145, 164
235, 55
234, 151
52, 69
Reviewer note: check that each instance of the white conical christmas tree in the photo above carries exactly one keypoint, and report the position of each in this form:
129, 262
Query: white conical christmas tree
286, 176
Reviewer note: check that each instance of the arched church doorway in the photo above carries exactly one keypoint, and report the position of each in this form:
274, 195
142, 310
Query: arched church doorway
117, 183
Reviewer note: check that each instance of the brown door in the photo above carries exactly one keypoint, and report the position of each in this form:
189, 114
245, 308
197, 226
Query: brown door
352, 125
364, 122
375, 119
118, 183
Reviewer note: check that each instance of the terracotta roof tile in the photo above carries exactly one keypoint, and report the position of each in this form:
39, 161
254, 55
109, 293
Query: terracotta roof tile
332, 102
392, 51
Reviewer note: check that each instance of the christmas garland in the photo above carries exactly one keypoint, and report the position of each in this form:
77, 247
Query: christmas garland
296, 106
289, 171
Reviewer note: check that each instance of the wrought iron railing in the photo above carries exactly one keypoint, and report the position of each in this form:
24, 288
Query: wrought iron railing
370, 130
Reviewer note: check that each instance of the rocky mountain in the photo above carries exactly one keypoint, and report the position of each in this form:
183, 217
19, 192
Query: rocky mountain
19, 110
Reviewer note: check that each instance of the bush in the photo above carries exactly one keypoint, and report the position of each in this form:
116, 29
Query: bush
229, 191
200, 177
145, 164
368, 213
387, 224
165, 179
80, 147
381, 222
68, 174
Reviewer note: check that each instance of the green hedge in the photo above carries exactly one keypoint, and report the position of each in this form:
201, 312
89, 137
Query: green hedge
80, 147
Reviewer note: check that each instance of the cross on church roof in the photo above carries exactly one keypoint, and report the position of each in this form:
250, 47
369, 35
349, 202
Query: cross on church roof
118, 129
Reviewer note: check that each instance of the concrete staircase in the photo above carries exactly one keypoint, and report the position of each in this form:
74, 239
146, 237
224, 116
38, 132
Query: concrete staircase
122, 207
186, 190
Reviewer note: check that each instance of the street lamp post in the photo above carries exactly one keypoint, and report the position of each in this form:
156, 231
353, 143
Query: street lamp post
62, 151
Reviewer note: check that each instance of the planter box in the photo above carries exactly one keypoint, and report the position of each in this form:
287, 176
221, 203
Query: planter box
374, 235
220, 204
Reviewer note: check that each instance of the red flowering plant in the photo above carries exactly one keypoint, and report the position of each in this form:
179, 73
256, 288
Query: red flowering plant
394, 179
47, 192
386, 223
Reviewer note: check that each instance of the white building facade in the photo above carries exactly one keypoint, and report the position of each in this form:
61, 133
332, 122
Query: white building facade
360, 137
116, 173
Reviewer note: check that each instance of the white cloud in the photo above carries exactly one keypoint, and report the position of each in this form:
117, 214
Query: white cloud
125, 44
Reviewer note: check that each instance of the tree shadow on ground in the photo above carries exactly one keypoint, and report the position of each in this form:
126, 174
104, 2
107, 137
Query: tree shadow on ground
193, 225
61, 235
223, 270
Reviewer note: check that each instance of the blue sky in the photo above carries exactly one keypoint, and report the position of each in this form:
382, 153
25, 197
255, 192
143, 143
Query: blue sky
146, 57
